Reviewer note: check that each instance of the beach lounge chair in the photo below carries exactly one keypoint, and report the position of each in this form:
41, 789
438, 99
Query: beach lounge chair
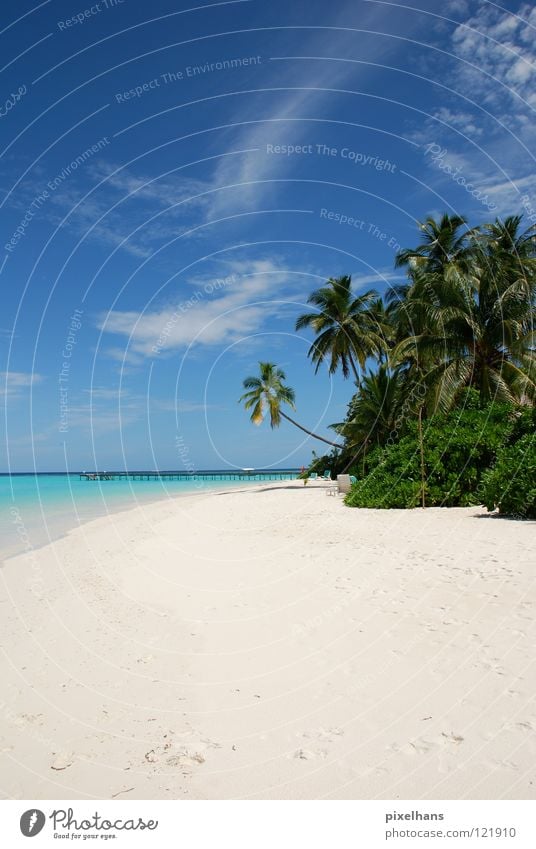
313, 476
344, 483
326, 476
342, 486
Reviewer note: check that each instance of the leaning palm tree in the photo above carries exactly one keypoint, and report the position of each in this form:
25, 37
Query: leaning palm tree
346, 332
267, 393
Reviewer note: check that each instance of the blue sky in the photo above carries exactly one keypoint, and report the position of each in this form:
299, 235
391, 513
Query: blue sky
174, 182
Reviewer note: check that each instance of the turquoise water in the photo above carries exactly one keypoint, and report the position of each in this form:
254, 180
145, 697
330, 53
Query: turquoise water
35, 509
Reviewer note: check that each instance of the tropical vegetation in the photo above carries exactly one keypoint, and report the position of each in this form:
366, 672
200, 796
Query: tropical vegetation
443, 368
267, 393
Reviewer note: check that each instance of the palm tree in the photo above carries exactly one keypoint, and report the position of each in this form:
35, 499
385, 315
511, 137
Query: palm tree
477, 329
345, 330
441, 273
372, 413
266, 395
443, 246
381, 316
374, 409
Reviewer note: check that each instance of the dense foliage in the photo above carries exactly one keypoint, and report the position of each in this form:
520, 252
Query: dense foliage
445, 414
510, 484
458, 448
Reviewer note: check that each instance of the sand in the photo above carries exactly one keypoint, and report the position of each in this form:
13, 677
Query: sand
268, 644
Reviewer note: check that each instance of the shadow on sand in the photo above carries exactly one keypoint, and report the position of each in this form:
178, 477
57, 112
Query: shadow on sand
504, 518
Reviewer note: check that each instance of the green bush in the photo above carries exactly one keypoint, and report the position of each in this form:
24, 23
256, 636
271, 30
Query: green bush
458, 448
511, 484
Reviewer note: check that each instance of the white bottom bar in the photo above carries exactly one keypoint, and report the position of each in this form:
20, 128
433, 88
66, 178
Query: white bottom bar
271, 825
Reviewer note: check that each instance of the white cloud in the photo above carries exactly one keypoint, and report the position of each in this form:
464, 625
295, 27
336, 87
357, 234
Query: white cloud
208, 315
14, 383
359, 281
466, 122
181, 406
103, 409
298, 90
499, 47
457, 7
132, 210
487, 146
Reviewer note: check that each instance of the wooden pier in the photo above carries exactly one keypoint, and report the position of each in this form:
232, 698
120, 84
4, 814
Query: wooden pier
233, 475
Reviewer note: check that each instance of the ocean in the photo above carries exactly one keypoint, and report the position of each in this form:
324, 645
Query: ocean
38, 508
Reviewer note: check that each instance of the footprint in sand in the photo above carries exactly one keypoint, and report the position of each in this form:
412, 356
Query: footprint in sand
327, 735
185, 758
422, 745
29, 719
320, 735
184, 749
309, 755
522, 725
63, 760
452, 738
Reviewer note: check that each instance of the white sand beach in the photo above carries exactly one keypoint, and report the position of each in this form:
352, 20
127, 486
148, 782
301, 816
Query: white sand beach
269, 644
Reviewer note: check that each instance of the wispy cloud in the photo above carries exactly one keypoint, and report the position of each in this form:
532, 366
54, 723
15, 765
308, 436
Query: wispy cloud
208, 315
381, 276
500, 47
457, 7
120, 206
14, 383
133, 210
296, 91
464, 121
103, 409
486, 147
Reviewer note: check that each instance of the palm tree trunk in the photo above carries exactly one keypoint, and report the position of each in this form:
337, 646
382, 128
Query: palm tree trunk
354, 368
309, 432
421, 448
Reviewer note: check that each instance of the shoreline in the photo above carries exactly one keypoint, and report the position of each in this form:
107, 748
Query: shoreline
110, 509
272, 643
